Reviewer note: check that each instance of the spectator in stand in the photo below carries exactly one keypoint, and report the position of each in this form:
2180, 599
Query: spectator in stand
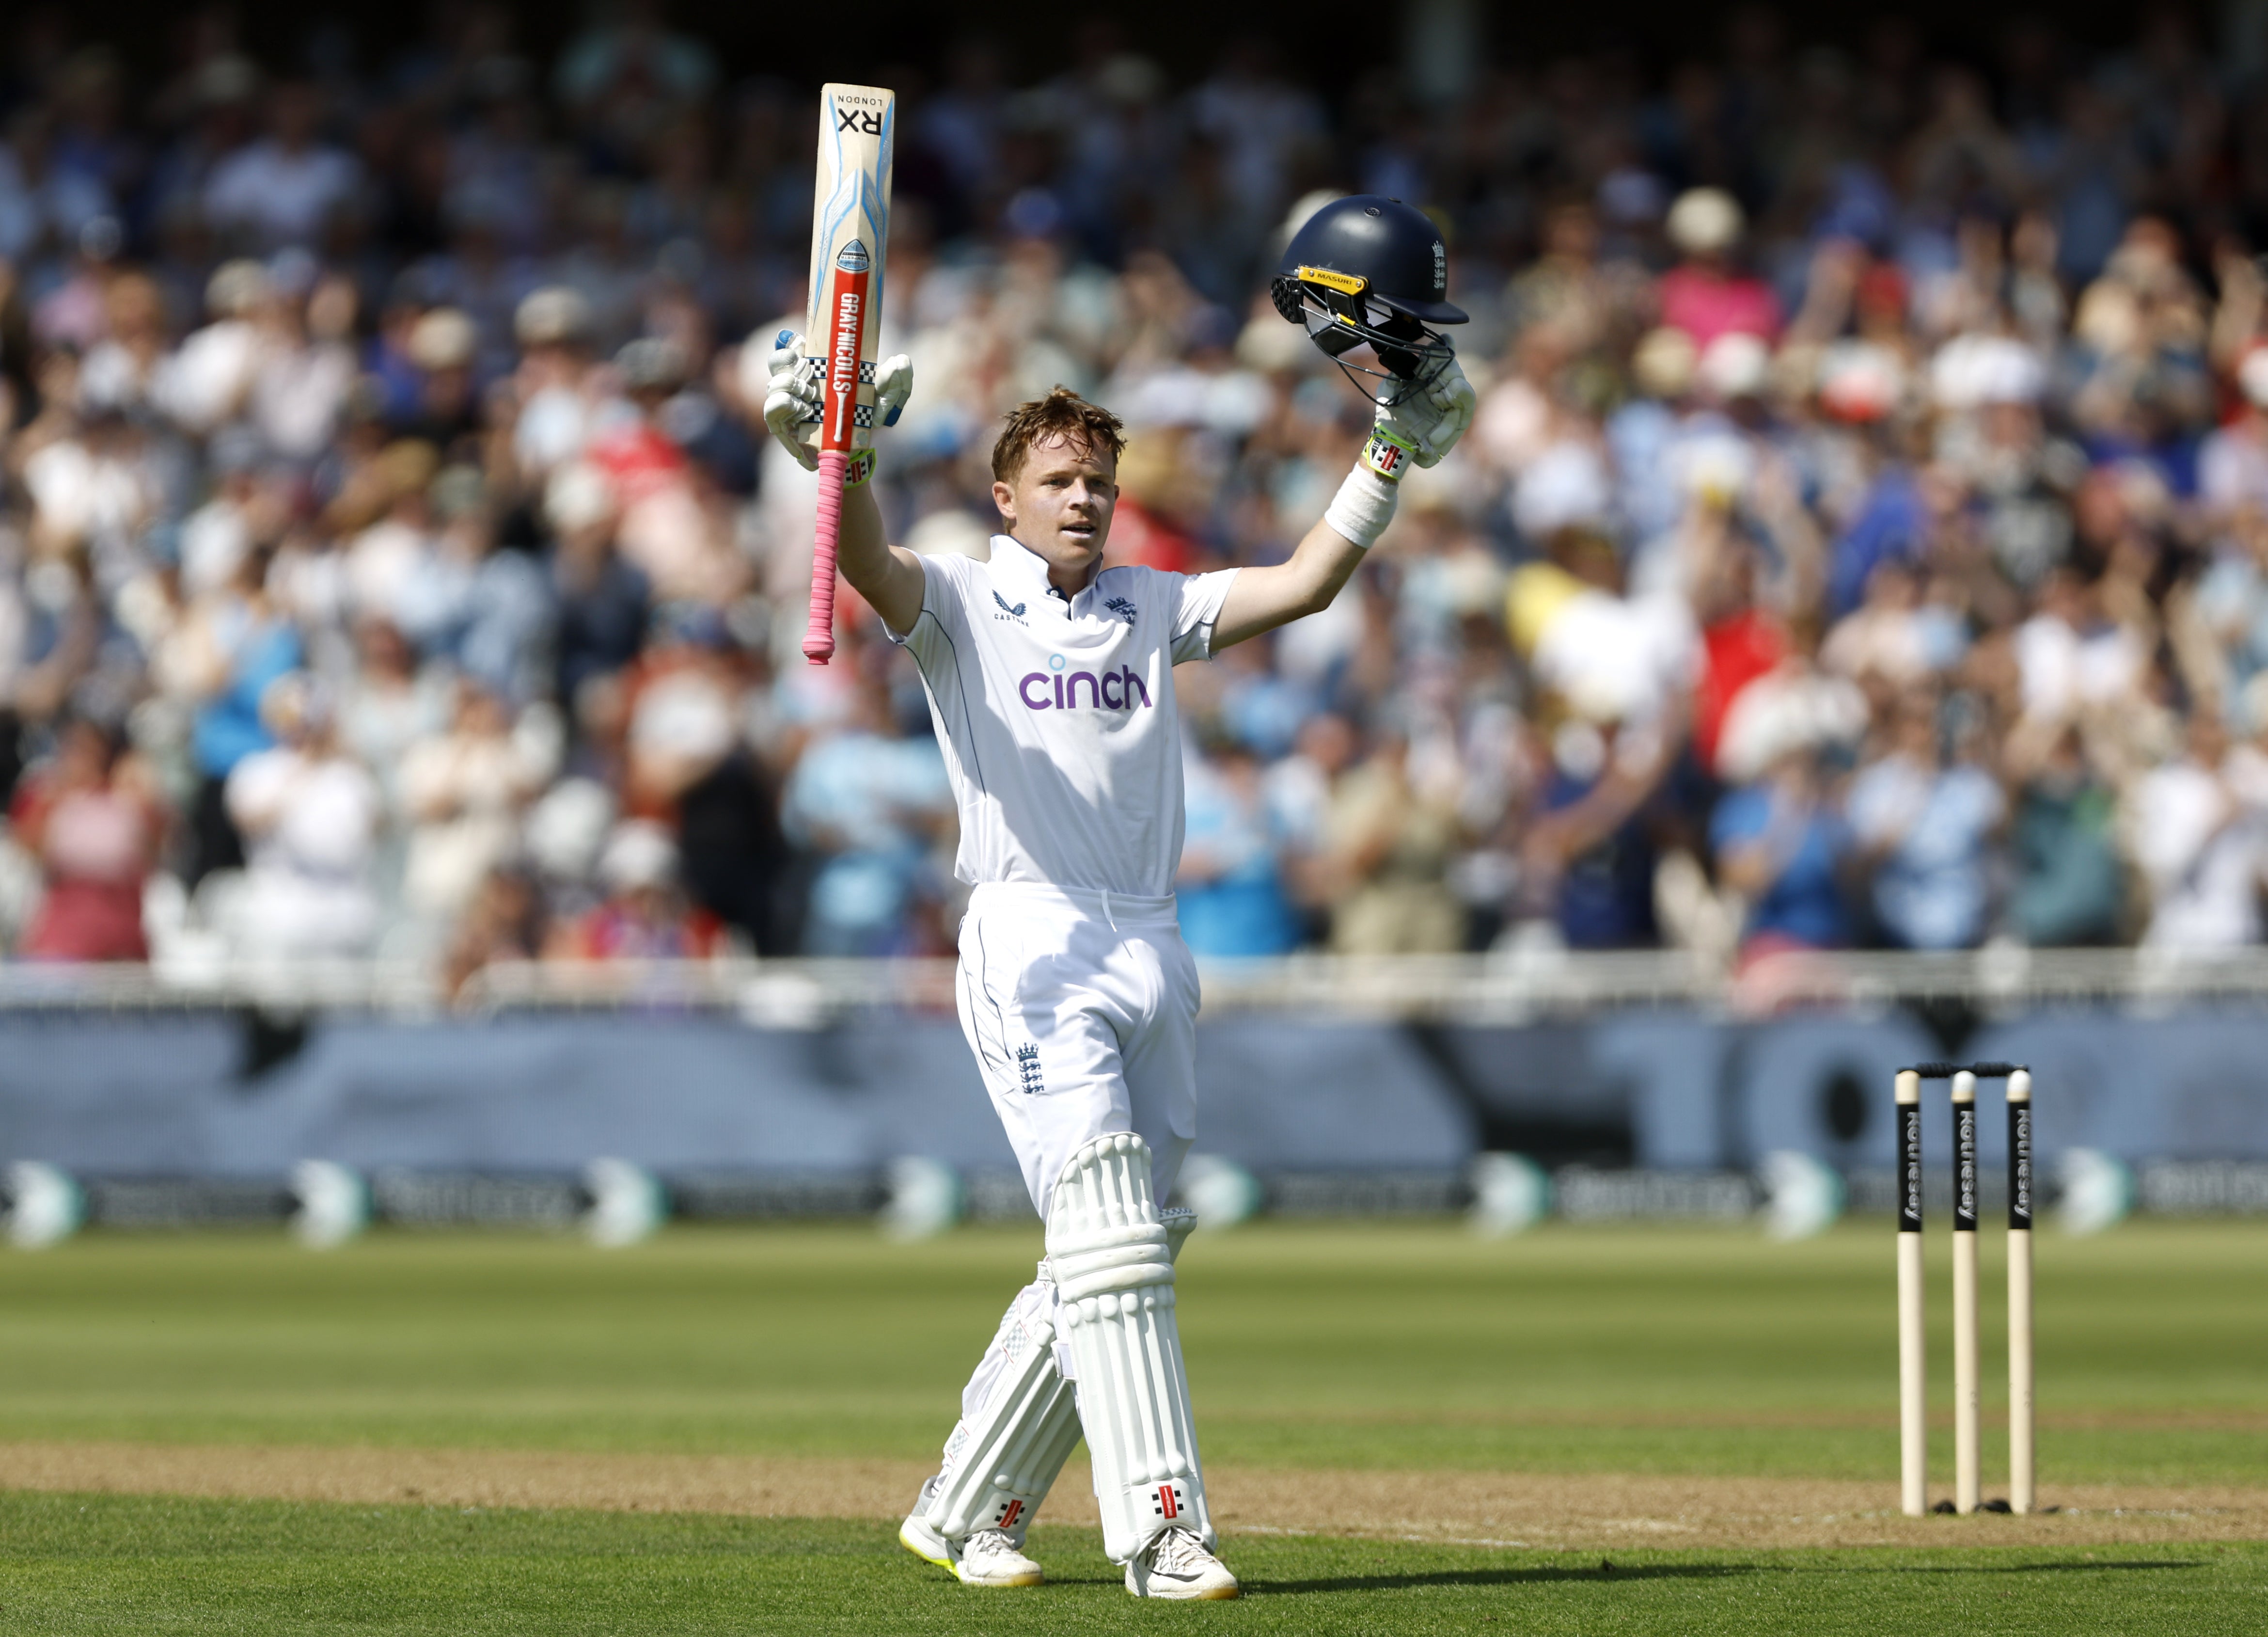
1386, 851
2233, 461
505, 923
228, 650
473, 603
464, 792
290, 188
1706, 295
554, 397
644, 915
1231, 887
1782, 845
2198, 846
603, 599
1741, 644
869, 801
93, 824
2070, 880
309, 815
444, 368
1588, 859
1921, 818
2232, 599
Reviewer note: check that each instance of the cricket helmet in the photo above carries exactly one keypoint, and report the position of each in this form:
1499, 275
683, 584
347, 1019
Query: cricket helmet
1367, 270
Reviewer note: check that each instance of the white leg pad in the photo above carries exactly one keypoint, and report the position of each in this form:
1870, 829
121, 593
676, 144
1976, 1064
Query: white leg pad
1019, 1419
1018, 1424
1113, 1272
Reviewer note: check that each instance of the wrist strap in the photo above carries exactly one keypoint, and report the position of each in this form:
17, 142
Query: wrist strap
1363, 506
1387, 455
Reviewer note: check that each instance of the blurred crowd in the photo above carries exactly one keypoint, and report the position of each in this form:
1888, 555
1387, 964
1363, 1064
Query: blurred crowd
1862, 540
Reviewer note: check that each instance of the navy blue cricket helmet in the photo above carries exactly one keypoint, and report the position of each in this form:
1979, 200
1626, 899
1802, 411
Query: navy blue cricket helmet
1371, 270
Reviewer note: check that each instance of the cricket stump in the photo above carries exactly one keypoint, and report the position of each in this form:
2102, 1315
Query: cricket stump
1967, 1452
1913, 1332
2020, 1291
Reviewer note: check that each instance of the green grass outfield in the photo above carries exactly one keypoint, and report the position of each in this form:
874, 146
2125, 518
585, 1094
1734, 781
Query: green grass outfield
1654, 1350
75, 1566
1643, 1350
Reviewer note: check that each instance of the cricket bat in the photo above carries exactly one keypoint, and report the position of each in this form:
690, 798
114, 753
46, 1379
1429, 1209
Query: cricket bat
850, 234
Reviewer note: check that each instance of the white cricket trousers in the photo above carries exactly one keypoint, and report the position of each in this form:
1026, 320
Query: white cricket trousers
1081, 1007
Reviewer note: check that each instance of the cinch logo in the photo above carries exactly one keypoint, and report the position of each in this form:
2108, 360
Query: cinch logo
1114, 690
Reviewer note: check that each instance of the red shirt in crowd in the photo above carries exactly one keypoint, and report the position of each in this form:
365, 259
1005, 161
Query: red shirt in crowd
96, 843
1140, 538
1736, 651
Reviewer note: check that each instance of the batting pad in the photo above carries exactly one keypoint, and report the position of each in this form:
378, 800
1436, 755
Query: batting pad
1019, 1425
1019, 1419
1114, 1274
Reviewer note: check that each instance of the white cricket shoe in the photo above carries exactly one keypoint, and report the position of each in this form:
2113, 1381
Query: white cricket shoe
1177, 1564
987, 1558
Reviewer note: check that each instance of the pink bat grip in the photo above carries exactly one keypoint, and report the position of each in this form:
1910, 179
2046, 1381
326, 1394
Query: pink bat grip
819, 636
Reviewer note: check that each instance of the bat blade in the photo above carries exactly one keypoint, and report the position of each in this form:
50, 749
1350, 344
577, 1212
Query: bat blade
850, 240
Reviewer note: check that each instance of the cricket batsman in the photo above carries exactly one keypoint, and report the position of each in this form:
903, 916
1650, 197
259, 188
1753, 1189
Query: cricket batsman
1050, 680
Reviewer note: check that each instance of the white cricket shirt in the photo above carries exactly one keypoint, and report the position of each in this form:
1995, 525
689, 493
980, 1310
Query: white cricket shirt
1057, 718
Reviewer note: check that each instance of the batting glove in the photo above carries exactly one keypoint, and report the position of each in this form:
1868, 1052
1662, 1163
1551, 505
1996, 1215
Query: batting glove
1428, 423
792, 398
894, 384
793, 387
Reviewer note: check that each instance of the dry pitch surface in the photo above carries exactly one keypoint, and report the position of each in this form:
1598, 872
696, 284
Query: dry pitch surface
1580, 1510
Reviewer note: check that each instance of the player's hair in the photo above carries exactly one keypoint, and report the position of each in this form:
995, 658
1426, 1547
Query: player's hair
1088, 428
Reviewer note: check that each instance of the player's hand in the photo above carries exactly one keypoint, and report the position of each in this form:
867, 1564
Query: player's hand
792, 398
894, 384
1430, 421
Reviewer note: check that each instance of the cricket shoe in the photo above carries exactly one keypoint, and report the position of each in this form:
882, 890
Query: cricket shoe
1177, 1564
987, 1558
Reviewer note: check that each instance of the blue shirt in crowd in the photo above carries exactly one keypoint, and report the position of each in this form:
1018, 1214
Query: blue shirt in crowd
1805, 902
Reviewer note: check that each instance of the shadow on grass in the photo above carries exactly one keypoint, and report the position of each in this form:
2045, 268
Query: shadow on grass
1503, 1577
1548, 1575
2038, 1568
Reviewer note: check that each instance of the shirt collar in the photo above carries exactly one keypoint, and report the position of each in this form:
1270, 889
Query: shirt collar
1016, 563
1025, 570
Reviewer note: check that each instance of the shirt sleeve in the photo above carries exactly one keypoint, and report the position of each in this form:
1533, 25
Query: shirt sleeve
944, 615
1197, 607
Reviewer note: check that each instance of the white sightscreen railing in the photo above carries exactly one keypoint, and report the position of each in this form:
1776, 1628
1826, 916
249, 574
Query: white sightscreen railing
1496, 987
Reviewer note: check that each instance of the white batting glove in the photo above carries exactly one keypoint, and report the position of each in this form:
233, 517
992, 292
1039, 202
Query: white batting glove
1429, 422
894, 384
792, 399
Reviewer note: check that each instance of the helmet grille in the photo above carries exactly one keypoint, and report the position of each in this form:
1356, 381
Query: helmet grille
1411, 353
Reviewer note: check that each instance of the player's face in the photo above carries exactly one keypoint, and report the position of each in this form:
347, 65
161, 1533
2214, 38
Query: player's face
1060, 506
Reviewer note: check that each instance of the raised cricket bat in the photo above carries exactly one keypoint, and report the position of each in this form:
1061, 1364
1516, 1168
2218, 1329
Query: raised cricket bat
850, 234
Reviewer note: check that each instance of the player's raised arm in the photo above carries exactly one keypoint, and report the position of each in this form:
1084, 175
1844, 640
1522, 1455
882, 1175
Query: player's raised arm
1423, 428
1366, 277
887, 576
